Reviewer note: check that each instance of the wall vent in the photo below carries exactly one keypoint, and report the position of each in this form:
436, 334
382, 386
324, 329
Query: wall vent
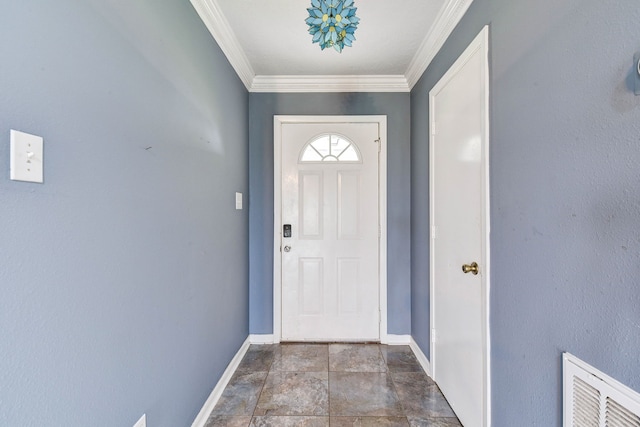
594, 399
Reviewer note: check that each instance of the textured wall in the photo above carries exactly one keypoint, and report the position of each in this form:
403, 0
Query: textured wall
124, 277
262, 108
565, 195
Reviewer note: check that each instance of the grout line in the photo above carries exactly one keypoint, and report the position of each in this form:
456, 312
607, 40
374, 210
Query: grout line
395, 389
329, 383
253, 414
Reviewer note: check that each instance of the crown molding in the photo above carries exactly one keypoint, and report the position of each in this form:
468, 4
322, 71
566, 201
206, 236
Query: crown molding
448, 17
302, 84
221, 31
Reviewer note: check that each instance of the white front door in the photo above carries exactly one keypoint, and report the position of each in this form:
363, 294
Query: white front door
330, 274
460, 221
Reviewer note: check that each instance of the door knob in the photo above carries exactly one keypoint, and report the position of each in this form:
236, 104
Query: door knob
287, 248
470, 268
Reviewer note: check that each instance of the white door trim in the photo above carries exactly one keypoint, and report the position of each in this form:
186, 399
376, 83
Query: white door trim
278, 121
481, 42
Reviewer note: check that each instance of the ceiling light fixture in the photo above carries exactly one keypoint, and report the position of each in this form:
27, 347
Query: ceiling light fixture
332, 23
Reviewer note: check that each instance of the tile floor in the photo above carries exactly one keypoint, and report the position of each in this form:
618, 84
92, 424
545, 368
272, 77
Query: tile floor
319, 385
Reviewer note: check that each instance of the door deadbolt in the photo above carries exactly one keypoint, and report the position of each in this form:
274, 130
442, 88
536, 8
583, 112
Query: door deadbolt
470, 268
287, 248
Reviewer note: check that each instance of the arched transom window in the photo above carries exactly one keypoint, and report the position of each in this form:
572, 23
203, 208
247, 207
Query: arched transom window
330, 148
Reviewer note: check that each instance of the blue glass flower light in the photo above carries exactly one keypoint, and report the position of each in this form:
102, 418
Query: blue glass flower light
332, 23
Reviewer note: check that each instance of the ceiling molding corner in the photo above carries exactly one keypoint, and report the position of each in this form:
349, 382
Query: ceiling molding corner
219, 27
448, 17
309, 84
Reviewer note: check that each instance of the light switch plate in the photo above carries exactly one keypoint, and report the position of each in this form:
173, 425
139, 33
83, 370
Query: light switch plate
636, 72
239, 201
26, 157
142, 422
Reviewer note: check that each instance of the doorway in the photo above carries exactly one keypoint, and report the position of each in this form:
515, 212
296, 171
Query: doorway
459, 216
329, 228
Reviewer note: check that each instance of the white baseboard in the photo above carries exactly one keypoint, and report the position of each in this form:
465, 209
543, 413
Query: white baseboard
396, 339
426, 365
202, 417
262, 339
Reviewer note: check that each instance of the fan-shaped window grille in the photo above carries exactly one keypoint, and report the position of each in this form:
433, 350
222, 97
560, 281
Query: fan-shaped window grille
330, 148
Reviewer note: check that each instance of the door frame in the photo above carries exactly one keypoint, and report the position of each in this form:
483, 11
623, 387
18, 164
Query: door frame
278, 122
481, 42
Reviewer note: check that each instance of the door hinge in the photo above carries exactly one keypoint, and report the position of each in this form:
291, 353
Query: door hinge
379, 142
433, 336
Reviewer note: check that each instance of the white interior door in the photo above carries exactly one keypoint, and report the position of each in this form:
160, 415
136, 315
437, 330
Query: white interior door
330, 274
459, 220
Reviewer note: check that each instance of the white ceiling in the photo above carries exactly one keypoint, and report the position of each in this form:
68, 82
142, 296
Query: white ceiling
267, 43
274, 36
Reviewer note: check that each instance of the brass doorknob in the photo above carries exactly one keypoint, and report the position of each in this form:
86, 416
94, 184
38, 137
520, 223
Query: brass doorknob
470, 268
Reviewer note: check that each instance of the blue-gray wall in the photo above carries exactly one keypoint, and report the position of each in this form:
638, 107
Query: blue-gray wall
262, 108
565, 196
124, 277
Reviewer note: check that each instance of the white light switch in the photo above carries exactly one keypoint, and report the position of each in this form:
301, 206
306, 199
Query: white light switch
142, 422
26, 157
239, 201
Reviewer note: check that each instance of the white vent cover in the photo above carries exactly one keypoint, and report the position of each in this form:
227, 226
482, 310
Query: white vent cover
593, 399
